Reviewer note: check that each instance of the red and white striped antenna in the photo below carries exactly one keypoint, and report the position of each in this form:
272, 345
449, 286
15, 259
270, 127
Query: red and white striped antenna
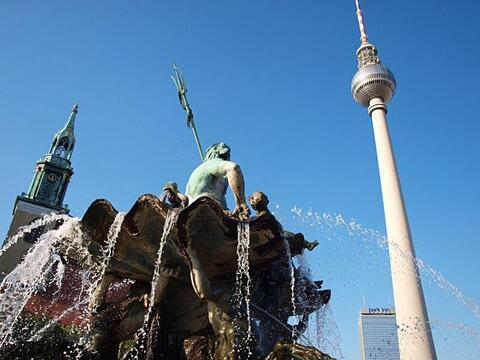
361, 25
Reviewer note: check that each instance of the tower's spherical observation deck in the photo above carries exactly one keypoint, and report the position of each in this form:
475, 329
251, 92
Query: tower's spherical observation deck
372, 81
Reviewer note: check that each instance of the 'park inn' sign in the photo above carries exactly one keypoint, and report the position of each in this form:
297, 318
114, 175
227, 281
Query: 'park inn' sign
381, 311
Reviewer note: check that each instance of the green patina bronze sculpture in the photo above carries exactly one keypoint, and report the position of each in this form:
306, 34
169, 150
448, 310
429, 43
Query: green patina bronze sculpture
259, 202
172, 197
214, 175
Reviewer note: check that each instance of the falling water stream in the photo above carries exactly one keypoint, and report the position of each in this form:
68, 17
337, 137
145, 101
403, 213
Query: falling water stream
95, 276
139, 348
106, 255
292, 286
241, 296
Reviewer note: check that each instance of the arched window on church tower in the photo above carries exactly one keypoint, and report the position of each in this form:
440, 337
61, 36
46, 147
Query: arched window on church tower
62, 147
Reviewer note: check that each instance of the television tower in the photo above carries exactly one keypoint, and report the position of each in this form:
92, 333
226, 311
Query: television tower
373, 86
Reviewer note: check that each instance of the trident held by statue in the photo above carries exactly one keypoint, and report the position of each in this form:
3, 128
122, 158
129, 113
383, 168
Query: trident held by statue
181, 86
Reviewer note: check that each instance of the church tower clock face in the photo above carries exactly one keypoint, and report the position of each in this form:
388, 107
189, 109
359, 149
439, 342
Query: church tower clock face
48, 188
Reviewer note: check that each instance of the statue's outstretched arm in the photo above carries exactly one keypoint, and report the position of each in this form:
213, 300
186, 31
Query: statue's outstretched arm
237, 184
234, 175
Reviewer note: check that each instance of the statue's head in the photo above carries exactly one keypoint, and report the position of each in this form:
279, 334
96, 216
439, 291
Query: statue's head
170, 186
258, 201
218, 150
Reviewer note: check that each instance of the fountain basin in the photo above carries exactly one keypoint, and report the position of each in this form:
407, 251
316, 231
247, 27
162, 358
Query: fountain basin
212, 233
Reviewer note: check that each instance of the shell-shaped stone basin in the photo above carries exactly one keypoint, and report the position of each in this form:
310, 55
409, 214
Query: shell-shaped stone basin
211, 232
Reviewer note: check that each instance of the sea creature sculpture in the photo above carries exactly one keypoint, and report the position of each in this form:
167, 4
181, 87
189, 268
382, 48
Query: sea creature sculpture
172, 197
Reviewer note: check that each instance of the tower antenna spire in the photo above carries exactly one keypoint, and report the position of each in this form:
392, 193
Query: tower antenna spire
361, 25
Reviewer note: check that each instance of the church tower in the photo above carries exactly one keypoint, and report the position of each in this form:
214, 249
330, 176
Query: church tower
45, 195
54, 170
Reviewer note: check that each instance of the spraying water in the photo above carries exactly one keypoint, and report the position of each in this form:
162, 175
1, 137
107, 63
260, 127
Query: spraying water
80, 300
284, 325
241, 296
457, 335
327, 334
31, 275
330, 222
365, 245
42, 221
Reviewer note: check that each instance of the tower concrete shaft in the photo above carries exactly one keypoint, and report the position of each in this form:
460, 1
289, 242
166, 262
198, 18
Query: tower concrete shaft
373, 86
414, 333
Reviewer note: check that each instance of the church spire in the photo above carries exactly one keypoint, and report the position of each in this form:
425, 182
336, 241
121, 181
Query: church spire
54, 170
64, 140
70, 125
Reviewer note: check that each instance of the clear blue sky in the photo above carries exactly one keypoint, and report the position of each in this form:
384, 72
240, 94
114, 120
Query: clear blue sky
272, 79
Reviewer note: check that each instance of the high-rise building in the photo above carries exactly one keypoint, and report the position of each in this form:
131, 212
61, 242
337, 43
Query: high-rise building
45, 195
378, 334
373, 86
